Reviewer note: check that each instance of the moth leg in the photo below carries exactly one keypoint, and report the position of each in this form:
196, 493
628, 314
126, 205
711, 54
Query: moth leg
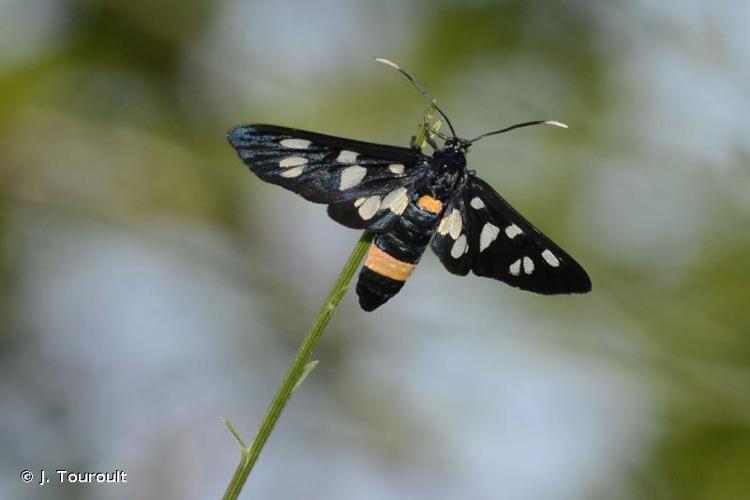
428, 138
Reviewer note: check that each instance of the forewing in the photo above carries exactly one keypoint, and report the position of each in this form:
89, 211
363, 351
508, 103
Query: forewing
363, 183
503, 245
324, 168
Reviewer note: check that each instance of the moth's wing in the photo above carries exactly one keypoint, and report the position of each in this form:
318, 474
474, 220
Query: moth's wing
324, 168
503, 245
354, 178
451, 241
377, 212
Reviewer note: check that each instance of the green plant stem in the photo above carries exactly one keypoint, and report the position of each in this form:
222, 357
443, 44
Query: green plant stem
297, 371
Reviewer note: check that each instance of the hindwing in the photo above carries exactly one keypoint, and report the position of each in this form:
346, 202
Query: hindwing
482, 232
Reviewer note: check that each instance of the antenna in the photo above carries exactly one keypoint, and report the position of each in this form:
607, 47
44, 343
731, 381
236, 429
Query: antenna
420, 88
521, 125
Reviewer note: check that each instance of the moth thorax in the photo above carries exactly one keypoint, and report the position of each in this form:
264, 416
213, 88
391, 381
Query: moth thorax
449, 173
450, 160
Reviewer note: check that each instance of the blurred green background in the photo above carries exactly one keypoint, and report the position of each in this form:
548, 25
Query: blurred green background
149, 283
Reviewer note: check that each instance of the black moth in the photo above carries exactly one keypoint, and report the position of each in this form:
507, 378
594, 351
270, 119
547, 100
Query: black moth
411, 200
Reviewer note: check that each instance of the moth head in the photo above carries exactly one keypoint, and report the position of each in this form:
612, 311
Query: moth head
457, 145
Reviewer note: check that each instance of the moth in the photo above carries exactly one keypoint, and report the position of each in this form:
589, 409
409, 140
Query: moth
410, 200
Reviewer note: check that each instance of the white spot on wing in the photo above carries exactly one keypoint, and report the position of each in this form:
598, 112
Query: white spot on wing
293, 172
293, 161
351, 176
455, 223
358, 202
477, 203
396, 200
550, 258
459, 247
512, 231
488, 235
396, 168
515, 268
370, 207
347, 156
443, 226
528, 265
295, 143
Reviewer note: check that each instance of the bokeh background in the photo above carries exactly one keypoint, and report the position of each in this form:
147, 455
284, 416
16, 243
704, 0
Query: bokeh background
150, 284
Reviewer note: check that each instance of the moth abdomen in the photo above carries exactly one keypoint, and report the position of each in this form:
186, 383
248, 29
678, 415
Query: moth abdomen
385, 270
394, 255
374, 289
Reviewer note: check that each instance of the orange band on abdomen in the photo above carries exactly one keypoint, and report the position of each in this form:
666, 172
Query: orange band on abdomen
386, 265
430, 204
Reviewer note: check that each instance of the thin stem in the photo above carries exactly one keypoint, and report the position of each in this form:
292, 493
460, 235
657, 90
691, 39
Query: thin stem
297, 370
